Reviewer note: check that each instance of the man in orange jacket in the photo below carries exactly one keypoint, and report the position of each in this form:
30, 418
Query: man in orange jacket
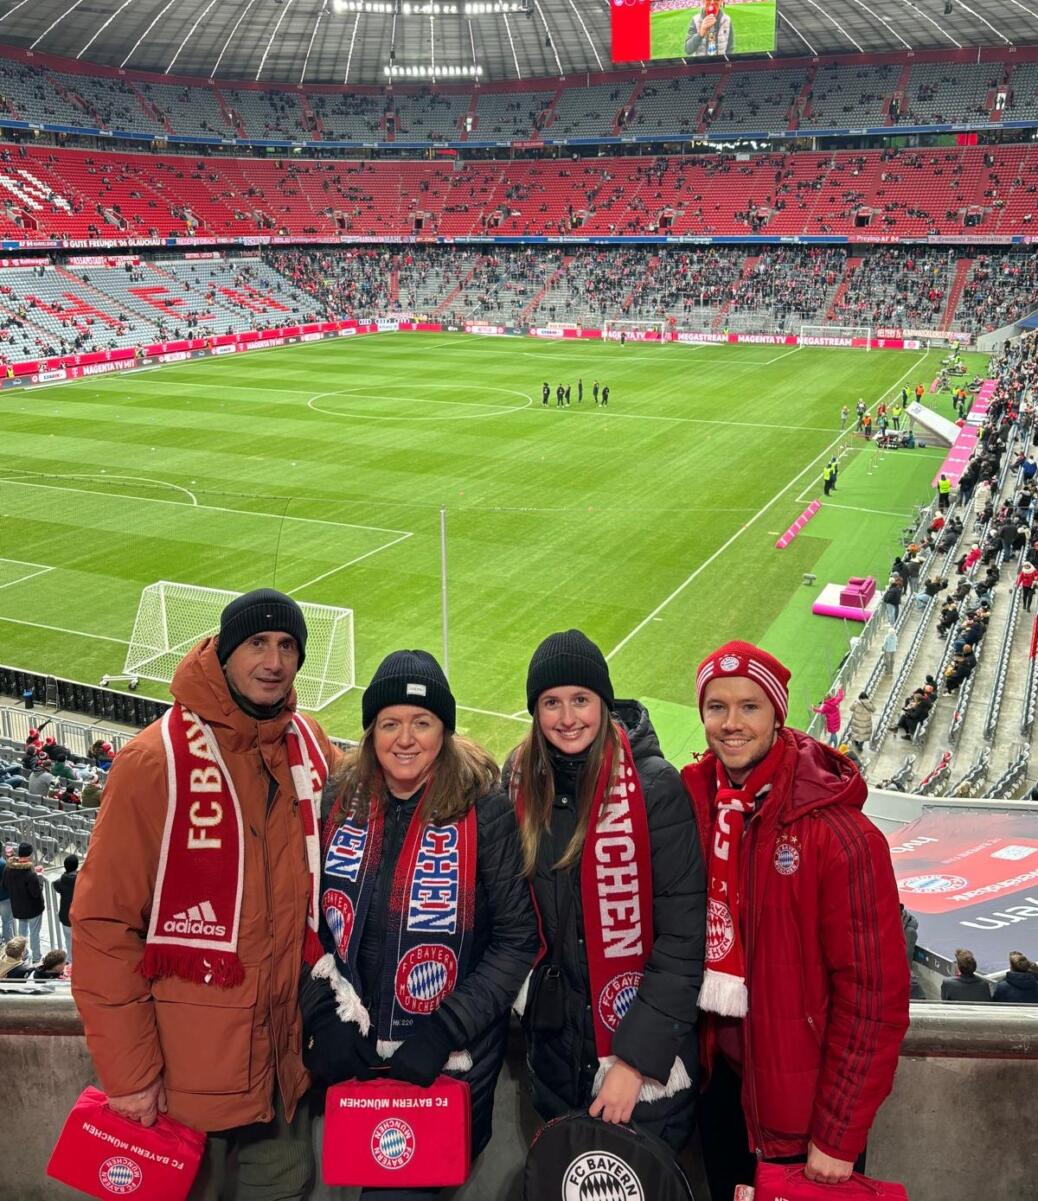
196, 906
805, 994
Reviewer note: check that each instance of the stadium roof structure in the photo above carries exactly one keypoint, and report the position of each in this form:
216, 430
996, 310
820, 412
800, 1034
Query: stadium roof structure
315, 41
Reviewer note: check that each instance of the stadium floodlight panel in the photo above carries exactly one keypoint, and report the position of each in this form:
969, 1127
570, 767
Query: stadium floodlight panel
490, 8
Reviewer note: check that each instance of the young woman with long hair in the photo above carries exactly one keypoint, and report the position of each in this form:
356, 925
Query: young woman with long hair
426, 918
611, 851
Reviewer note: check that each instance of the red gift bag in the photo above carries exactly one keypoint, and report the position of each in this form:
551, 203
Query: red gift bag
389, 1134
105, 1155
786, 1182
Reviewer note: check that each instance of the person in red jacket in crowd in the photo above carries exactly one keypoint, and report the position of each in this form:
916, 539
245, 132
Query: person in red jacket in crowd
805, 996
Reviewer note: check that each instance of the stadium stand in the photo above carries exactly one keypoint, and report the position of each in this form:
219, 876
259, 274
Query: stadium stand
849, 97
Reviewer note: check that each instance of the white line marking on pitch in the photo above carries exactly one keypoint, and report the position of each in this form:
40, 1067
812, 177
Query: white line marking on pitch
342, 566
827, 504
41, 569
742, 529
158, 500
39, 625
785, 354
493, 713
355, 394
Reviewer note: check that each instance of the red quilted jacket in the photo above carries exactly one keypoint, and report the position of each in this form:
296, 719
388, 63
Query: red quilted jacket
827, 972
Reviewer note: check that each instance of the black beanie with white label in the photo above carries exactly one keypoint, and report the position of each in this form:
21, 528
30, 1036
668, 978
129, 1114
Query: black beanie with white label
409, 678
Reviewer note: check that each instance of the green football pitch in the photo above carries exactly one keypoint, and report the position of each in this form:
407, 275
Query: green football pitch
321, 470
753, 27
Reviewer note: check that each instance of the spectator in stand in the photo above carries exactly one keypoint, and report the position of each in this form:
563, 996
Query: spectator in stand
943, 492
830, 709
1020, 984
862, 711
26, 889
1025, 581
14, 955
965, 985
40, 779
892, 600
960, 670
52, 966
65, 887
914, 712
910, 927
90, 798
889, 651
6, 920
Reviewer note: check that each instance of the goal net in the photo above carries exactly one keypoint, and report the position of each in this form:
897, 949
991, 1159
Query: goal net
855, 337
171, 618
636, 331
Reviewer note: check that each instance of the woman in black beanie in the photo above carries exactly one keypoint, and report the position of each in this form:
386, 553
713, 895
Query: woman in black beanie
426, 916
611, 849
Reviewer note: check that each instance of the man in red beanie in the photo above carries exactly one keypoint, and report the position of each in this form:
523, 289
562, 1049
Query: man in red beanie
805, 995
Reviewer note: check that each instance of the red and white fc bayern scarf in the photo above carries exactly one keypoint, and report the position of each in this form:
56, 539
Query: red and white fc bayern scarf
615, 892
724, 979
196, 909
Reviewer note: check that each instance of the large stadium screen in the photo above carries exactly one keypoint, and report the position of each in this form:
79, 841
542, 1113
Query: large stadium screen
669, 29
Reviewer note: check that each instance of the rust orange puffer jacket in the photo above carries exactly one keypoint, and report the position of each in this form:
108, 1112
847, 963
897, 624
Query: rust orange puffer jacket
218, 1050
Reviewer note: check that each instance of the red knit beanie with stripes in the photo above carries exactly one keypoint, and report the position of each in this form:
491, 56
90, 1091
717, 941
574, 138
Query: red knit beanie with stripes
749, 662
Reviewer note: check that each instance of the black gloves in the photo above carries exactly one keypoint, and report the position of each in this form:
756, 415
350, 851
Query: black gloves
420, 1058
334, 1050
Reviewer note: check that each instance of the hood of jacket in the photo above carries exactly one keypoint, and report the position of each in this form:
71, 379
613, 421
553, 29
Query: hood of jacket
20, 865
200, 685
811, 776
637, 724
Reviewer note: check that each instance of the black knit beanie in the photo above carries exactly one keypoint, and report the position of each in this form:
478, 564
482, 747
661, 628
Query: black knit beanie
255, 613
409, 678
568, 659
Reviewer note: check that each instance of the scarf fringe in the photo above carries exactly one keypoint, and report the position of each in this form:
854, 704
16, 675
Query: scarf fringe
350, 1008
222, 968
459, 1061
652, 1090
724, 994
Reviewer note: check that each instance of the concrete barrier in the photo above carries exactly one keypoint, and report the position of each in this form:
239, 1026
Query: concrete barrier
965, 1084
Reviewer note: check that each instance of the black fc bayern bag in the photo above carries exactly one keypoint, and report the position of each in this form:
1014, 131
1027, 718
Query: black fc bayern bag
581, 1158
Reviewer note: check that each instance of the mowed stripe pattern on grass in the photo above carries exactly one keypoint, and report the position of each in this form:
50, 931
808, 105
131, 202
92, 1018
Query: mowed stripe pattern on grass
220, 473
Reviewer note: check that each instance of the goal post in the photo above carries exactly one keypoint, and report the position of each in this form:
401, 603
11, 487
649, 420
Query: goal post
172, 617
611, 330
853, 337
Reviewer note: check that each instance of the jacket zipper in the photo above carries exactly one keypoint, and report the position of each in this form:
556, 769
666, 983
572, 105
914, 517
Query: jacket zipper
750, 861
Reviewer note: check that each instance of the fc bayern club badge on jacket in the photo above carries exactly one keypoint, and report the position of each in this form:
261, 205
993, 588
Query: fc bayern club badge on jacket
388, 1134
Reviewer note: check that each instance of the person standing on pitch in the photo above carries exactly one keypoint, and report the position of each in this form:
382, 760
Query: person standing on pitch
580, 391
805, 996
611, 851
197, 906
545, 392
422, 868
594, 391
605, 397
844, 414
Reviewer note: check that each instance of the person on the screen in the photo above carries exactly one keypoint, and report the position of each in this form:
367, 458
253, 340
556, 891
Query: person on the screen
710, 31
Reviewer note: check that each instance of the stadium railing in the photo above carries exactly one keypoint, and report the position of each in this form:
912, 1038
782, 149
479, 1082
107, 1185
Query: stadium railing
1008, 783
931, 784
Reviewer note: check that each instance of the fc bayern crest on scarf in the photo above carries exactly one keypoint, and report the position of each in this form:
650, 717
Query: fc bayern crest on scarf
787, 855
425, 975
615, 999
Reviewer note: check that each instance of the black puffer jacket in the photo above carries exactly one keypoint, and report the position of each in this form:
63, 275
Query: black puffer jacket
660, 1023
503, 948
